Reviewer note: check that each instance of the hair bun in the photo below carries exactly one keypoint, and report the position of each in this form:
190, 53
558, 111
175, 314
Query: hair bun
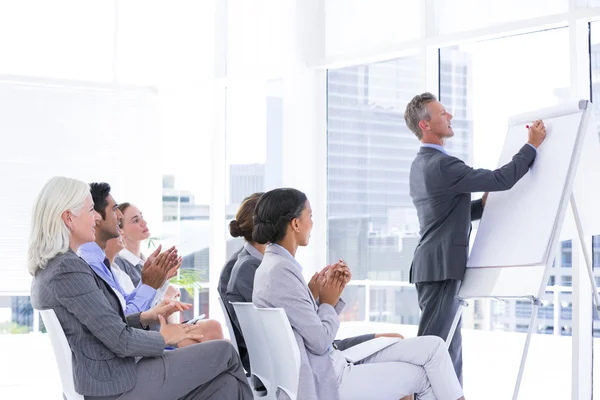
264, 232
234, 229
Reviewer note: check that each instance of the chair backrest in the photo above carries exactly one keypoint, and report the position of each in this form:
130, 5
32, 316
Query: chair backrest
259, 349
286, 355
62, 353
229, 325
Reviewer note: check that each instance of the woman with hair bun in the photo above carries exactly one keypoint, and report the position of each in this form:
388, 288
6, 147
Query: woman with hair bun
241, 281
419, 365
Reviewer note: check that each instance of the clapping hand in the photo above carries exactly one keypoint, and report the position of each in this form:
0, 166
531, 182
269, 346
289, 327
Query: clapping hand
163, 309
160, 267
317, 280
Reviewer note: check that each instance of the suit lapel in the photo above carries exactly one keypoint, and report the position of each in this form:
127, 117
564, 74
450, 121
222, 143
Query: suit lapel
296, 271
113, 292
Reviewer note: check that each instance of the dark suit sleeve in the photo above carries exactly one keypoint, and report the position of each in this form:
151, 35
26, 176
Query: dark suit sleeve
353, 341
244, 282
133, 320
476, 209
77, 291
460, 178
134, 271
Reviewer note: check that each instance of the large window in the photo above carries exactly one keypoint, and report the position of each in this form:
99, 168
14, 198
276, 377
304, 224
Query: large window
476, 88
371, 221
171, 47
137, 138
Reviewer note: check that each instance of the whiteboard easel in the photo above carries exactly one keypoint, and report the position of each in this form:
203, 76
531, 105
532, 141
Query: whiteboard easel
569, 195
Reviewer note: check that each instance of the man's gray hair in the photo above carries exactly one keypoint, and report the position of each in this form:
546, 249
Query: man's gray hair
416, 111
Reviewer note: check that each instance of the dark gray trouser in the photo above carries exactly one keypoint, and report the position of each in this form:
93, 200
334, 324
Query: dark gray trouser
439, 304
209, 370
344, 344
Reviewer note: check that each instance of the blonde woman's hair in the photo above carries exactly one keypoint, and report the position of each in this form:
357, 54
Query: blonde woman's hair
49, 235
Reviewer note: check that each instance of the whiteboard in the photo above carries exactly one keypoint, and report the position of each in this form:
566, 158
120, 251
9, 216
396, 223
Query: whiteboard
519, 230
87, 131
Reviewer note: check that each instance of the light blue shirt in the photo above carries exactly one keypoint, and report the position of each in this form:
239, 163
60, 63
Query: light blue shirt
282, 251
435, 146
443, 149
137, 301
253, 252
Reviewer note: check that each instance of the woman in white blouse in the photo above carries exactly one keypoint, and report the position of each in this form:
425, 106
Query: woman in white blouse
134, 230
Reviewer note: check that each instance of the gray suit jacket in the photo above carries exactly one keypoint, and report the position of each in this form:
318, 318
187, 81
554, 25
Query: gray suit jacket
104, 343
241, 283
441, 187
279, 283
240, 288
134, 271
224, 279
226, 274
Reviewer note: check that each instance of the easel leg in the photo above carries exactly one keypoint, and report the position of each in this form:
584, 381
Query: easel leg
583, 295
586, 253
455, 322
532, 321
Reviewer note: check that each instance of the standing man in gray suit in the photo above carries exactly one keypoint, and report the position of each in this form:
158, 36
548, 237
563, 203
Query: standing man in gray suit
441, 187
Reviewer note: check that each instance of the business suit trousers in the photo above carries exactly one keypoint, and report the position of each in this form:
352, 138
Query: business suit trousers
439, 303
209, 370
418, 365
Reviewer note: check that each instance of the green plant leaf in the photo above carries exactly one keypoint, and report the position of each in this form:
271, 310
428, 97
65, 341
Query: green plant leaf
13, 328
189, 279
151, 241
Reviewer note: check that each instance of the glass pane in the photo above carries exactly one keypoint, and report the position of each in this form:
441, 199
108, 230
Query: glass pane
253, 144
16, 315
482, 93
186, 118
395, 305
354, 296
451, 15
529, 87
371, 221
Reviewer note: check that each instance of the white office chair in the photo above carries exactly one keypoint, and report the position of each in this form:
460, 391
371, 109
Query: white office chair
259, 350
62, 353
285, 352
229, 324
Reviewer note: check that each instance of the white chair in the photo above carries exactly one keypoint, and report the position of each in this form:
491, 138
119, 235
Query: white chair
259, 350
285, 352
62, 353
229, 324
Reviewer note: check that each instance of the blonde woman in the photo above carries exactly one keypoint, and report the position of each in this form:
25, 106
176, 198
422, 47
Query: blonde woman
105, 343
